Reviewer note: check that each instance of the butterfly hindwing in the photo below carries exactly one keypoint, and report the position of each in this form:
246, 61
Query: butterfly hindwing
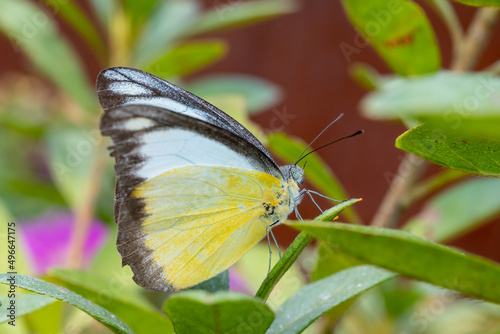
195, 222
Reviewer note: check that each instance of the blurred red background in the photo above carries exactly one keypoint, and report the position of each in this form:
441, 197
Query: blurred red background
301, 53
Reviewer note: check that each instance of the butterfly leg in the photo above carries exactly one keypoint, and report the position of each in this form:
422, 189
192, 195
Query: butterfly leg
310, 192
294, 203
268, 230
321, 195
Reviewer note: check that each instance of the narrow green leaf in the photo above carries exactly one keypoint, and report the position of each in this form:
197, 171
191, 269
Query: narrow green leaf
71, 153
104, 10
310, 302
318, 173
139, 11
221, 312
25, 303
412, 256
230, 14
331, 260
49, 319
295, 249
259, 94
449, 149
400, 32
114, 292
76, 18
187, 58
58, 292
33, 32
366, 76
457, 210
480, 3
167, 22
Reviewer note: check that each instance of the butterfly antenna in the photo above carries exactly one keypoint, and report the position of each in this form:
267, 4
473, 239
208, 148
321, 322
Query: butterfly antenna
304, 151
333, 142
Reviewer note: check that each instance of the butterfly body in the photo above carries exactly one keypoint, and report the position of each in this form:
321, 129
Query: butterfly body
195, 190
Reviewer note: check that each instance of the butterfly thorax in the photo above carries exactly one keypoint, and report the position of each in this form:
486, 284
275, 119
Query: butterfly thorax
280, 202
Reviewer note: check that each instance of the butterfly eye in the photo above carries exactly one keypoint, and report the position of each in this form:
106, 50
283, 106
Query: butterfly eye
297, 174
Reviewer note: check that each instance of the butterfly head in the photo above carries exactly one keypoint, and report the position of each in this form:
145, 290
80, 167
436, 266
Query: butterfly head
293, 172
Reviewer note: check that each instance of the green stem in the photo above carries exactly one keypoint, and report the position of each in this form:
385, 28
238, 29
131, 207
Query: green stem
294, 250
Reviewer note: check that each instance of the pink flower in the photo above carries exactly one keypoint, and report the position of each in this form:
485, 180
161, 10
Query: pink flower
237, 283
47, 240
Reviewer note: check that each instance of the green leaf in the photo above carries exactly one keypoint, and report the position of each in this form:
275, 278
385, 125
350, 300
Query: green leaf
49, 318
400, 32
259, 94
366, 76
104, 10
331, 260
188, 57
71, 152
480, 3
457, 210
231, 14
167, 22
139, 11
58, 292
466, 102
76, 18
295, 249
221, 312
317, 172
310, 302
25, 303
115, 292
412, 256
217, 283
32, 31
452, 150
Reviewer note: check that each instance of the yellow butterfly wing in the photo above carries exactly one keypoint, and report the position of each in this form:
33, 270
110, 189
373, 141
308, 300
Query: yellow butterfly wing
199, 220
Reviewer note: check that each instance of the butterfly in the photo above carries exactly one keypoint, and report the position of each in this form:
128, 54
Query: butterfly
194, 190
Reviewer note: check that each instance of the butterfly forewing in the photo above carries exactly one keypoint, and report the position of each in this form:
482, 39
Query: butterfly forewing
122, 85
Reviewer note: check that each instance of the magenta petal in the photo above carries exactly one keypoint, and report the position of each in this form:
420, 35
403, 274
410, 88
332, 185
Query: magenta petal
47, 240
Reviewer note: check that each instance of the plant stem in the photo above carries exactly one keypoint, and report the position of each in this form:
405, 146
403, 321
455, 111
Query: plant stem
448, 15
393, 204
434, 183
477, 37
85, 211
